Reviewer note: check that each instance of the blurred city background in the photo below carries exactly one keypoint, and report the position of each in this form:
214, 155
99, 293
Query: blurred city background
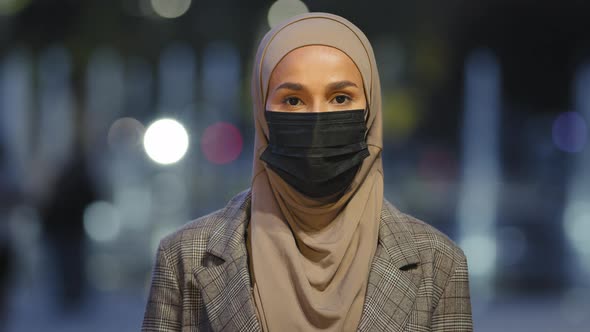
122, 120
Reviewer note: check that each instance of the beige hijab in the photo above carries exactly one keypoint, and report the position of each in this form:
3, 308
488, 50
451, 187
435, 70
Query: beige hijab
311, 258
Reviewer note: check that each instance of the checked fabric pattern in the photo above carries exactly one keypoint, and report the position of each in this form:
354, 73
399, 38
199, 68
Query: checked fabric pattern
201, 282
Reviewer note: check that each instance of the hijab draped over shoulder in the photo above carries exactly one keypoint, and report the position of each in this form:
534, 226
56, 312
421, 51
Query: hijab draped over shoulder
310, 258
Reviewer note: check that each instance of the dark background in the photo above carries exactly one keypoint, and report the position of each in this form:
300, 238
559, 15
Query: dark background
486, 138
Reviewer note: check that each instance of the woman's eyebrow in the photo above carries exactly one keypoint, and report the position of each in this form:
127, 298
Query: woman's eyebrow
341, 85
290, 86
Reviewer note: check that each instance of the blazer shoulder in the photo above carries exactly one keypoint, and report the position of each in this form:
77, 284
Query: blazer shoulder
430, 241
429, 236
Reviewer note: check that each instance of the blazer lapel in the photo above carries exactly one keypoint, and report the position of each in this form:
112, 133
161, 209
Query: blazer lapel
224, 280
394, 278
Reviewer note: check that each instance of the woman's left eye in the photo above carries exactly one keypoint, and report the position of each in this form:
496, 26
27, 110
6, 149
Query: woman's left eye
341, 99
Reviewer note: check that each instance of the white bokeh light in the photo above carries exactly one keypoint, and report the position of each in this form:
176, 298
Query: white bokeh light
165, 141
481, 254
577, 225
170, 8
102, 221
283, 9
126, 132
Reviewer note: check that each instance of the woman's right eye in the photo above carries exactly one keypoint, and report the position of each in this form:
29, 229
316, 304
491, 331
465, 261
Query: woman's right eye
292, 101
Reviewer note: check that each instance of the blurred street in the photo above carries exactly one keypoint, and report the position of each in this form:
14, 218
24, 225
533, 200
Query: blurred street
122, 120
124, 311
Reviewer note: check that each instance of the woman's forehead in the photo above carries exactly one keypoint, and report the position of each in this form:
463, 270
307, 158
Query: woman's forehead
315, 60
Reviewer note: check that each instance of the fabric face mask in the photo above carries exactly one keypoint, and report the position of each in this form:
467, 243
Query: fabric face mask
316, 153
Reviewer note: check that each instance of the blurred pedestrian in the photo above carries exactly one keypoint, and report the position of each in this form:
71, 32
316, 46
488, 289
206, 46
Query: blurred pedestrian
5, 271
9, 197
63, 220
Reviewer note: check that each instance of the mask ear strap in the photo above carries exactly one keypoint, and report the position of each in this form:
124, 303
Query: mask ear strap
366, 118
367, 98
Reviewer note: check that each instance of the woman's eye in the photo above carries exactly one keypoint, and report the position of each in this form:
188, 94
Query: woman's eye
341, 99
292, 101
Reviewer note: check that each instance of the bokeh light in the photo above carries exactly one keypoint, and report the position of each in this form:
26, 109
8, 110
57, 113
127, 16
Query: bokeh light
16, 109
221, 72
170, 8
221, 143
570, 132
102, 221
126, 132
437, 164
481, 254
11, 7
166, 141
401, 114
283, 9
56, 133
577, 225
105, 90
177, 76
480, 171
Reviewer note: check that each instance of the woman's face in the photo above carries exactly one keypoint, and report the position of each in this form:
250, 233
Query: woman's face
315, 78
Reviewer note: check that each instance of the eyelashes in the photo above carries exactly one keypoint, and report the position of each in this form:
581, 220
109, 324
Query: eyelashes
341, 99
338, 100
292, 101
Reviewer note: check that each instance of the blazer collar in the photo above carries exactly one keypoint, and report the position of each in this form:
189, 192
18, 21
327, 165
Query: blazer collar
393, 281
228, 239
396, 237
224, 282
395, 275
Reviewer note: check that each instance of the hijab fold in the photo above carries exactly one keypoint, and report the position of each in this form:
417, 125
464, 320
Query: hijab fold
310, 257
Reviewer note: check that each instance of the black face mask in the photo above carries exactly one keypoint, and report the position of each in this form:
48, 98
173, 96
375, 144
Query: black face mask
316, 153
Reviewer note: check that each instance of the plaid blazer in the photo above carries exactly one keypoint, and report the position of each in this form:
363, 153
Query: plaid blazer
200, 282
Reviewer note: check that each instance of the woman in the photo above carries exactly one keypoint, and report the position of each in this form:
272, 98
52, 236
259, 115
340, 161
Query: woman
312, 245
